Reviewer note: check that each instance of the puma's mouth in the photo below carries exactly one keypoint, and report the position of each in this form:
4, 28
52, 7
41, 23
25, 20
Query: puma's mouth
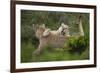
62, 32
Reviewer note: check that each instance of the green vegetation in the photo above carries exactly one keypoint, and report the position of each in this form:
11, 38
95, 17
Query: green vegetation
76, 48
79, 45
48, 54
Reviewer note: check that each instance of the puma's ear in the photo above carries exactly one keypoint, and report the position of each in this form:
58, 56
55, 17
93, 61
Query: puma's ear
43, 25
62, 24
33, 26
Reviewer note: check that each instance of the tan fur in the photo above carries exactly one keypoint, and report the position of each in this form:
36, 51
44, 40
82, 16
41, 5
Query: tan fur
53, 40
62, 30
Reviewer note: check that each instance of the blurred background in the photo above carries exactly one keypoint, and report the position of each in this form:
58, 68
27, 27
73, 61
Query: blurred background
76, 48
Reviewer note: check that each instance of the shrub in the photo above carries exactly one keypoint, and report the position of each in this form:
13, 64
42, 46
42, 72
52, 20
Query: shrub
78, 44
26, 33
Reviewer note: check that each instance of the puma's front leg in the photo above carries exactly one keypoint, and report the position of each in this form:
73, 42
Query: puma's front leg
41, 46
38, 50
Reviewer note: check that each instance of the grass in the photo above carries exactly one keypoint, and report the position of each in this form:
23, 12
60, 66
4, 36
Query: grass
49, 54
26, 51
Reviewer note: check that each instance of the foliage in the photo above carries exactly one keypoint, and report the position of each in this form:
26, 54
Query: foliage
78, 44
52, 20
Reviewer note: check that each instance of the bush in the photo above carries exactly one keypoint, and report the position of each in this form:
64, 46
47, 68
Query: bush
78, 44
26, 33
